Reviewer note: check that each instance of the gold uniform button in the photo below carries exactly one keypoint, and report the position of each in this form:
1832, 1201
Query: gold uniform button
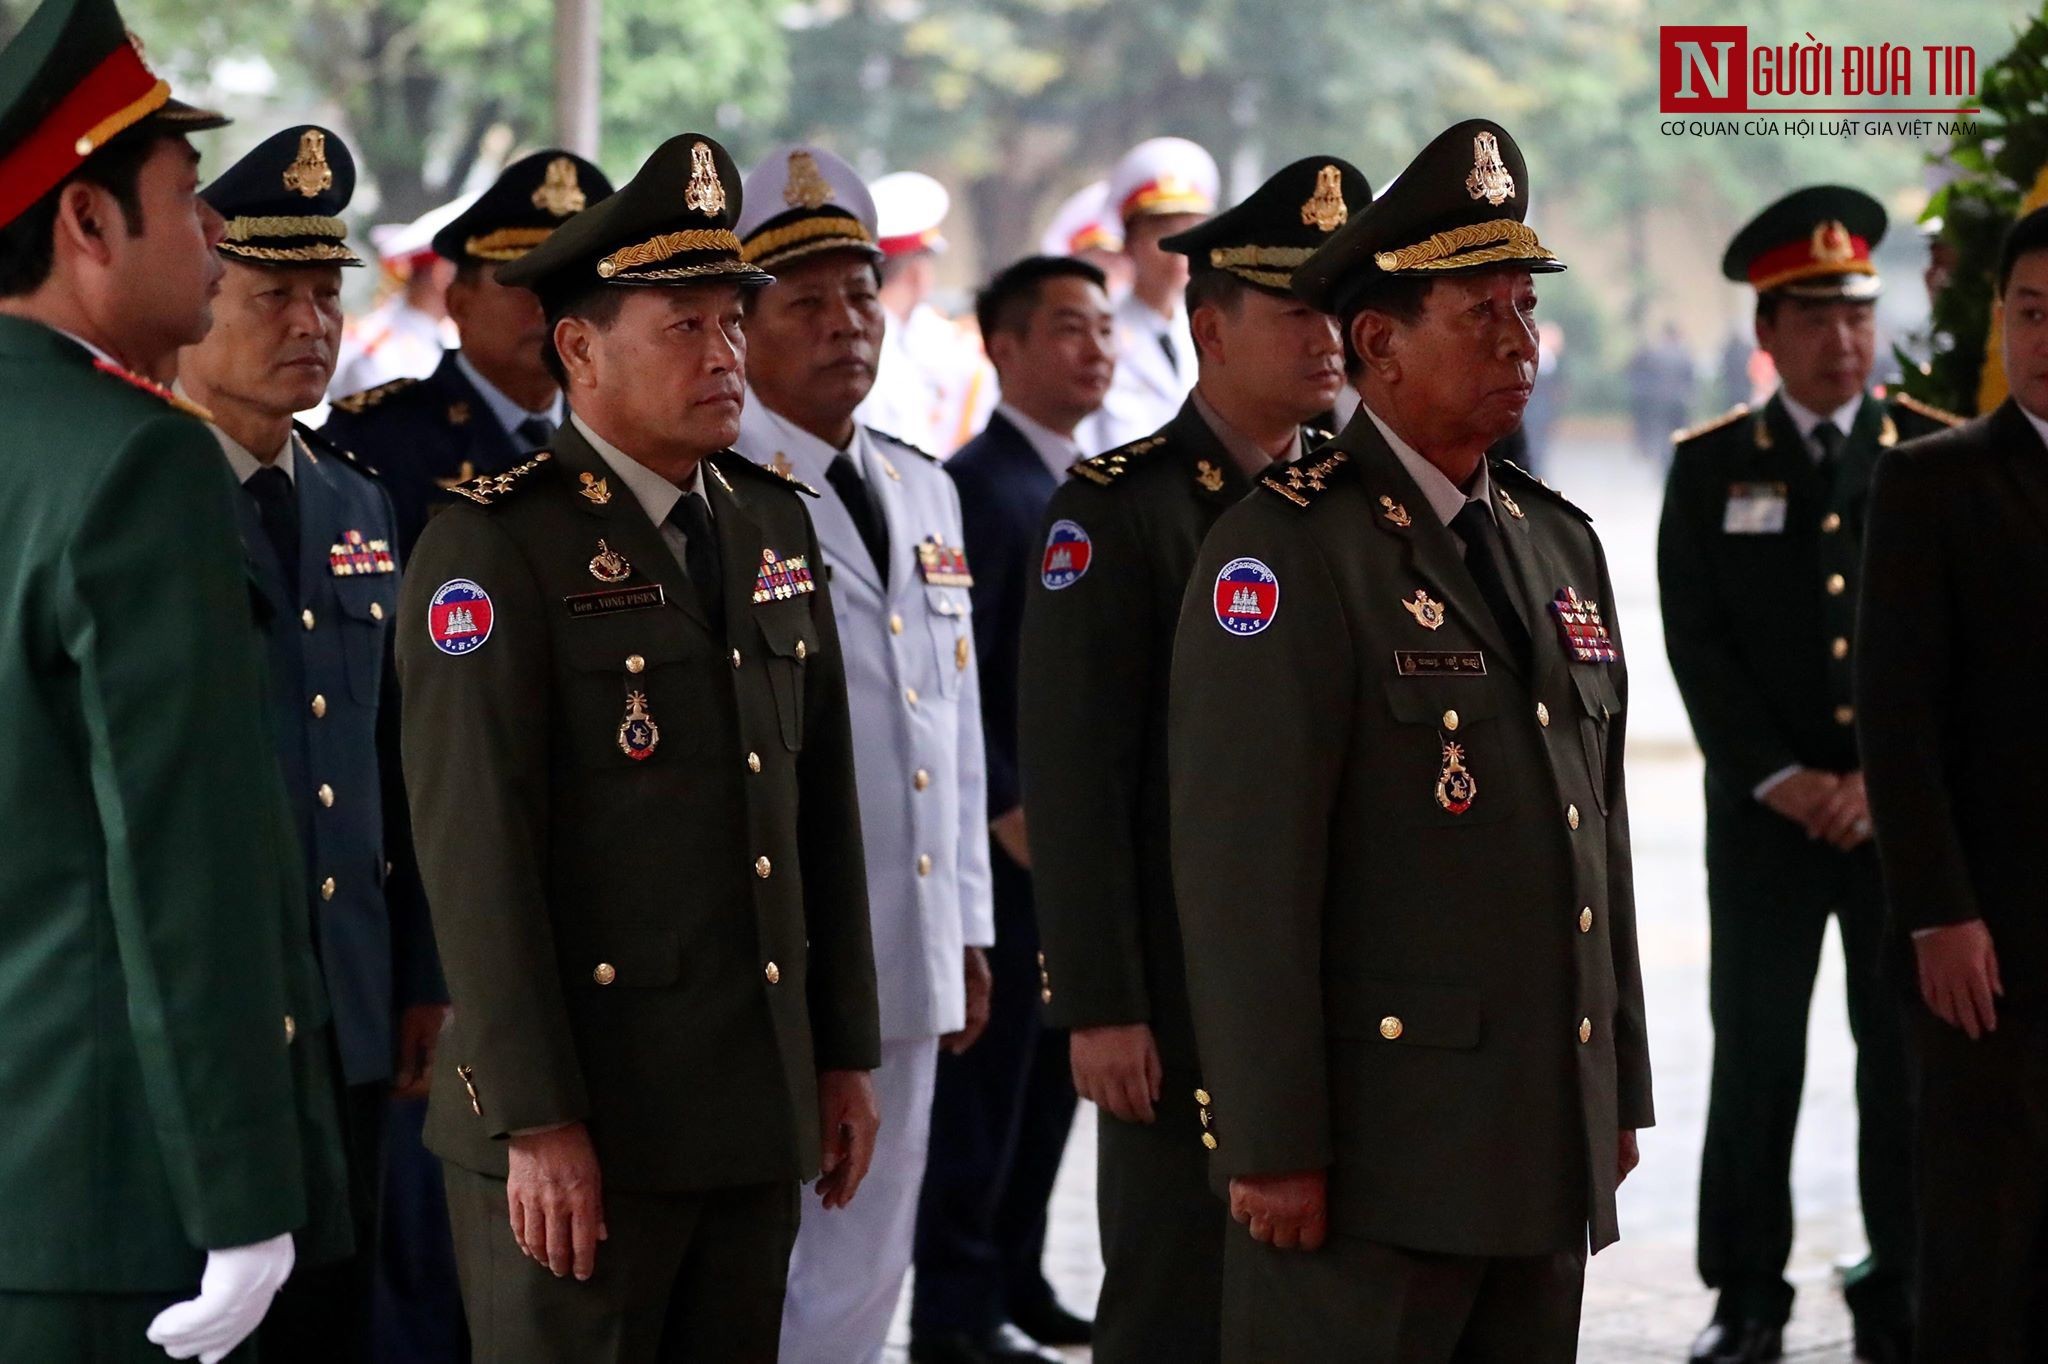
1450, 719
376, 610
306, 618
895, 625
1202, 1097
762, 866
1845, 715
1586, 919
802, 651
1585, 1031
605, 973
635, 663
1045, 995
924, 864
922, 779
327, 889
910, 695
753, 762
735, 658
319, 704
1840, 648
291, 1029
1571, 815
1209, 1140
1837, 584
773, 973
1831, 523
326, 794
1390, 1027
1543, 715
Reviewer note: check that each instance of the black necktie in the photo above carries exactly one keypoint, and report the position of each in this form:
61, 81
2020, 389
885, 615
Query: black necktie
277, 507
867, 517
1172, 355
1828, 437
1482, 558
534, 433
700, 556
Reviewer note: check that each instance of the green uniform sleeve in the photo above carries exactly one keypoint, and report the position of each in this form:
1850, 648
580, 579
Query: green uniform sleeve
1729, 717
1250, 853
201, 868
846, 1029
475, 754
1083, 718
1633, 1106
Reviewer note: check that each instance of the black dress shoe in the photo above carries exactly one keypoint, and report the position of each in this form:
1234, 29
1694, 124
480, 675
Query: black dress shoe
1738, 1342
1883, 1344
1003, 1345
1048, 1323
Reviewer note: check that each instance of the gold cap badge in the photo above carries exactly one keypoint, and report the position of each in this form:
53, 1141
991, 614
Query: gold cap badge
806, 187
1489, 179
1831, 243
559, 193
309, 173
706, 192
1325, 210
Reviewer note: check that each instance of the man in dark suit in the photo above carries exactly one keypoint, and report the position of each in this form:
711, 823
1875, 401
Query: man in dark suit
1757, 554
1093, 727
1001, 1112
493, 402
319, 533
1955, 589
1400, 830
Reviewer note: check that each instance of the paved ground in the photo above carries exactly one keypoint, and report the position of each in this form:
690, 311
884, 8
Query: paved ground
1643, 1301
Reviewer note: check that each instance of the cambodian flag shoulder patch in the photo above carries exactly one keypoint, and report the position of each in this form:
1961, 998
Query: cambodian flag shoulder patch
1247, 596
1067, 550
459, 618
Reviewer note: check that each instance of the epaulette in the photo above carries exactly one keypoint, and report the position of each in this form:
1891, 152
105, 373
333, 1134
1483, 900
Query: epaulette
1111, 465
152, 388
324, 444
1928, 410
488, 488
746, 468
1728, 418
370, 397
1303, 480
1531, 483
903, 444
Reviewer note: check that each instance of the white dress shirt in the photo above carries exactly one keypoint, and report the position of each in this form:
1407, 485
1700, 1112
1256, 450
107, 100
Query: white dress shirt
1057, 452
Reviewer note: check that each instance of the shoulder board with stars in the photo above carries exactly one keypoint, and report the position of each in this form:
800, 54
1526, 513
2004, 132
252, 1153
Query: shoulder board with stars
739, 466
370, 397
1306, 479
1928, 410
1107, 467
152, 388
492, 488
324, 444
1506, 471
1728, 418
903, 444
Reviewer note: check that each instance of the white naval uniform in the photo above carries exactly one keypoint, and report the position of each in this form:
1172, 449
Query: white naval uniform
1148, 389
913, 692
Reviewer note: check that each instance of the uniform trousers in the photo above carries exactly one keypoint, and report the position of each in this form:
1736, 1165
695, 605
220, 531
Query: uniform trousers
91, 1328
322, 1314
1163, 1231
846, 1273
683, 1278
1981, 1159
1356, 1301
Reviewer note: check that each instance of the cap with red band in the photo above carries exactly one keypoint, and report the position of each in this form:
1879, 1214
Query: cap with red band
1813, 243
71, 81
909, 208
1163, 175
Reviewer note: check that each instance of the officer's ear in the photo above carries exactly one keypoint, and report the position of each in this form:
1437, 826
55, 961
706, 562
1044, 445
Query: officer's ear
1376, 340
575, 341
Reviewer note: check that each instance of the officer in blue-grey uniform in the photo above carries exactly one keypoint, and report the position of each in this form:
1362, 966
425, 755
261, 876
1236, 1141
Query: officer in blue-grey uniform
320, 539
492, 403
888, 521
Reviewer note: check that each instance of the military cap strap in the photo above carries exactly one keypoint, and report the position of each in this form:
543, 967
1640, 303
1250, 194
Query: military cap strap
804, 230
665, 246
507, 243
1467, 245
265, 229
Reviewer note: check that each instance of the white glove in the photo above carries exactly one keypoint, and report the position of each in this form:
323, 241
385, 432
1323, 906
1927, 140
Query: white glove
234, 1293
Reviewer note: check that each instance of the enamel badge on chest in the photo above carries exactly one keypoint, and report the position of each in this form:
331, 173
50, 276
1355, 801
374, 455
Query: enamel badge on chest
1428, 612
638, 734
1584, 632
610, 566
1456, 788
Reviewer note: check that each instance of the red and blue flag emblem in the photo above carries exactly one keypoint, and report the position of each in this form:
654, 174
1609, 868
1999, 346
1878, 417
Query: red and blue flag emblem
459, 618
1247, 596
1067, 550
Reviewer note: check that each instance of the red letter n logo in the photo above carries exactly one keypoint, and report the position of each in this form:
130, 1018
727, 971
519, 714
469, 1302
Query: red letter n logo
1703, 69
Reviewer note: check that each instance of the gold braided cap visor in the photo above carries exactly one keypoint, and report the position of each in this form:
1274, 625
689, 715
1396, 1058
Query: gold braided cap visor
1461, 248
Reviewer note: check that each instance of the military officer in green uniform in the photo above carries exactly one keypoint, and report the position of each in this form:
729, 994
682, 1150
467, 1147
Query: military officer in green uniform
627, 746
169, 1123
1092, 726
1400, 838
1758, 565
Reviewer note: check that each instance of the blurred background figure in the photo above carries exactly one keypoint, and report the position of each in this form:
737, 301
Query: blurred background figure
1660, 387
404, 335
1083, 227
933, 388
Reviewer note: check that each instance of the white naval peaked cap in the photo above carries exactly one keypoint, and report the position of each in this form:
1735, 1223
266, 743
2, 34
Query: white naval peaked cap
1163, 175
911, 206
801, 199
396, 241
1083, 223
